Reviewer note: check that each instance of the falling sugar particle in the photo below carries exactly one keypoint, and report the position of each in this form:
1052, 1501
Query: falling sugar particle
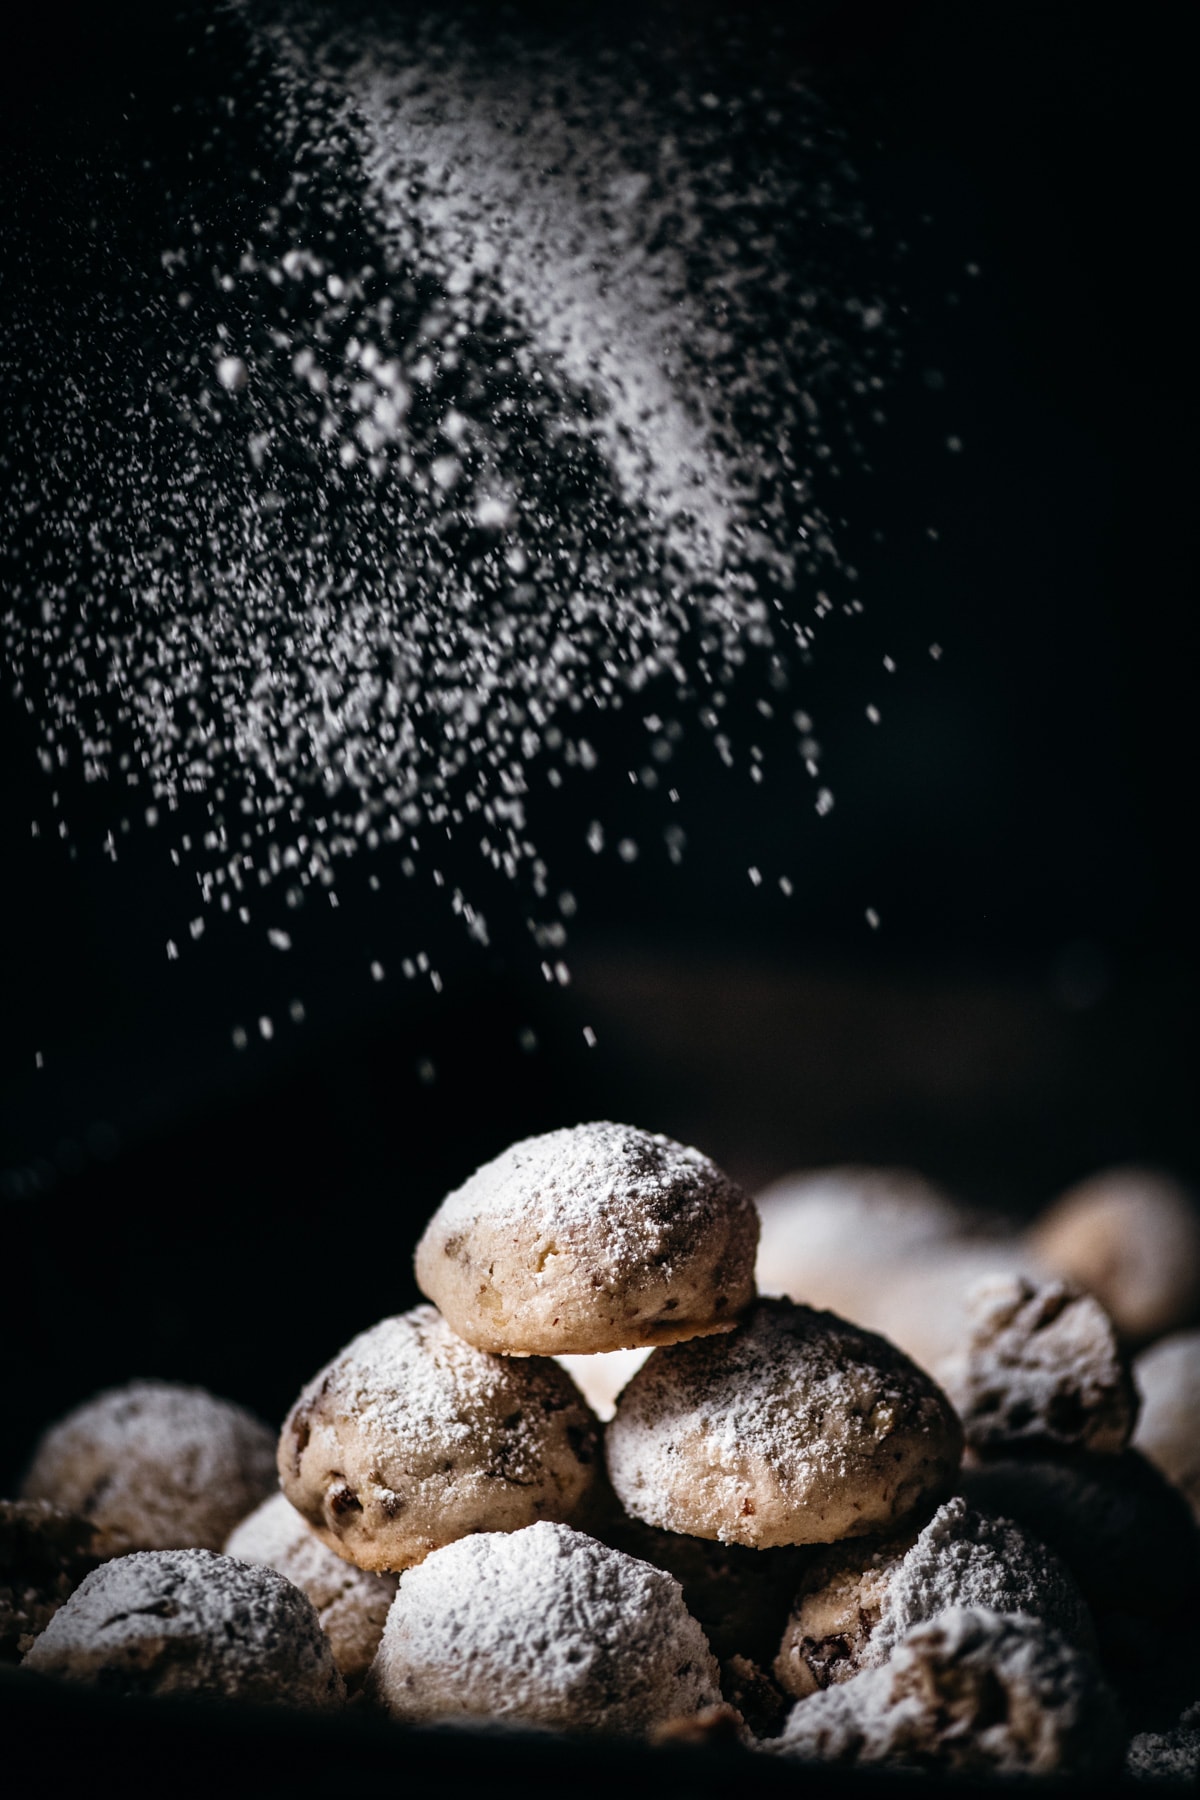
232, 373
426, 1072
872, 918
527, 1039
239, 1037
874, 714
785, 886
172, 950
266, 1028
296, 1012
376, 971
38, 1060
935, 650
824, 802
279, 940
396, 688
755, 876
589, 1037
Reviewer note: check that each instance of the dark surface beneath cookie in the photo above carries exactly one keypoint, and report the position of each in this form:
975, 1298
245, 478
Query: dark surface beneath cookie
63, 1735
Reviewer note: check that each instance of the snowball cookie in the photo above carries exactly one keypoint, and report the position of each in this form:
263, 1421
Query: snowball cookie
44, 1555
1041, 1364
1130, 1236
1125, 1533
542, 1627
156, 1466
798, 1428
857, 1602
1168, 1430
971, 1692
830, 1236
351, 1603
601, 1378
191, 1622
600, 1237
410, 1438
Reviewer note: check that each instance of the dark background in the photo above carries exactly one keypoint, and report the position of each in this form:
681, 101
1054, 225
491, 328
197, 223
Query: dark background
1020, 820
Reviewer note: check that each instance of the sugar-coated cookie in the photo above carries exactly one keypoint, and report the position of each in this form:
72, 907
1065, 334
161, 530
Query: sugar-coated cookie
971, 1692
858, 1601
1131, 1236
797, 1428
191, 1622
351, 1603
542, 1627
156, 1466
830, 1235
1040, 1365
595, 1238
411, 1438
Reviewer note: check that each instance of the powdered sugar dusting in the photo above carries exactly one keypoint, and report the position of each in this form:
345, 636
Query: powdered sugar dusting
630, 1194
543, 1627
807, 1396
966, 1558
510, 393
418, 1393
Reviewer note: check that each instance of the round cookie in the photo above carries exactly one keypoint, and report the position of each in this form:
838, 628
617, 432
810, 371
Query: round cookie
830, 1236
542, 1627
1168, 1429
44, 1555
1131, 1236
857, 1602
971, 1692
1041, 1365
351, 1603
156, 1466
191, 1622
595, 1238
798, 1428
411, 1438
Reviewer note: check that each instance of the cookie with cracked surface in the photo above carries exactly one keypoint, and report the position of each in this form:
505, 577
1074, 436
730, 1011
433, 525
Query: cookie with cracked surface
191, 1622
798, 1428
156, 1466
857, 1602
411, 1438
351, 1603
1040, 1365
595, 1238
572, 1636
971, 1692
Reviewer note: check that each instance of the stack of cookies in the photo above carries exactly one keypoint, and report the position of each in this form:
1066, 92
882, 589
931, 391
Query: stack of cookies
768, 1542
